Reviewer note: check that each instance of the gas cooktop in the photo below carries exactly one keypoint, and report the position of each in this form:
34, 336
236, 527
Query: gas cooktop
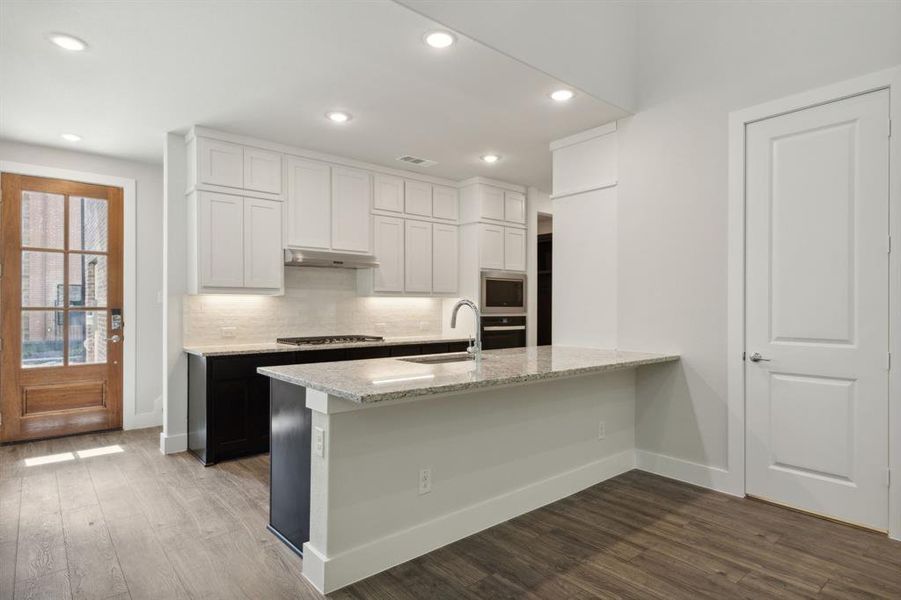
329, 339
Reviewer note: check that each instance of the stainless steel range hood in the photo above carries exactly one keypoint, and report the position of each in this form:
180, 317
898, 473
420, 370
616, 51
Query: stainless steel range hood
324, 258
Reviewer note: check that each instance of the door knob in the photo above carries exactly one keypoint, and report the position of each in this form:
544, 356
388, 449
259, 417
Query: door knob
756, 357
116, 338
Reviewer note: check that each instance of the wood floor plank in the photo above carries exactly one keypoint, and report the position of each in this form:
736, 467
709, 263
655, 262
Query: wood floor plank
41, 549
54, 586
145, 566
94, 570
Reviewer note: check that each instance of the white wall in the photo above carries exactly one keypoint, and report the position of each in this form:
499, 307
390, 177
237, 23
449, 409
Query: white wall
697, 62
536, 202
149, 199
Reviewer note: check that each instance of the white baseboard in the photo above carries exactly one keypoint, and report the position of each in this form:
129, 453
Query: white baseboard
328, 574
144, 420
173, 443
714, 478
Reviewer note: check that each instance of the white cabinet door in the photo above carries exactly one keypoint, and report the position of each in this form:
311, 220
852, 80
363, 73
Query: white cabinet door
221, 163
514, 207
492, 203
444, 258
351, 190
262, 170
388, 242
418, 198
388, 193
221, 240
263, 261
309, 204
491, 247
418, 256
445, 203
514, 249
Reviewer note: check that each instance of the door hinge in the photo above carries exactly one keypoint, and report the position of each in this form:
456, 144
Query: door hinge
888, 478
889, 128
888, 245
888, 362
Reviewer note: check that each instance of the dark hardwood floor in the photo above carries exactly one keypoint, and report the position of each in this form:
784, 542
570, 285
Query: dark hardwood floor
137, 524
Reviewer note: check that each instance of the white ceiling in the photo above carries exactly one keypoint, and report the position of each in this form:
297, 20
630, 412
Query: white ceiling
271, 69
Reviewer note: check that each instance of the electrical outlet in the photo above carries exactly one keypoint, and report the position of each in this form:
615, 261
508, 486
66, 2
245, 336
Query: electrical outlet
319, 441
425, 481
602, 430
228, 332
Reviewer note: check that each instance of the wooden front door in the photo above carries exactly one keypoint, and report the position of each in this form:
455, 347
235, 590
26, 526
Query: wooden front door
61, 309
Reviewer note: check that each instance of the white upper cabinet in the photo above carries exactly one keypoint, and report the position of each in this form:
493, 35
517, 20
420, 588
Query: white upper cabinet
492, 203
220, 163
351, 192
220, 239
514, 249
309, 204
388, 193
491, 246
388, 246
263, 261
514, 207
444, 259
418, 256
418, 198
445, 203
262, 170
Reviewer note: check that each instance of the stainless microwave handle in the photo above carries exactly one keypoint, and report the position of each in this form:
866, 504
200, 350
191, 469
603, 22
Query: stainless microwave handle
504, 328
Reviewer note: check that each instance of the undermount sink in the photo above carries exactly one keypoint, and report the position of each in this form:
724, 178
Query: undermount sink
440, 358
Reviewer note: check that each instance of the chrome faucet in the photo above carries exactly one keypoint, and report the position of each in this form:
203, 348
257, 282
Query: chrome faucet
475, 345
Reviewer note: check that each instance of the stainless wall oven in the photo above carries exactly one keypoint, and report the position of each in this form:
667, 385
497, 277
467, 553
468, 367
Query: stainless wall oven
503, 293
503, 332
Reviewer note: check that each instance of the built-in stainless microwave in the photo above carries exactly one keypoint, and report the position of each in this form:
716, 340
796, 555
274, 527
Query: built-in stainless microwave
503, 293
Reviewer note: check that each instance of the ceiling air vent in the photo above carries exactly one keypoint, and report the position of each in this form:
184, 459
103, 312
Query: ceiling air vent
415, 160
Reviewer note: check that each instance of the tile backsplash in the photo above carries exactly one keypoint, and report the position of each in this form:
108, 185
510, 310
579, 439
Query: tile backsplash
316, 302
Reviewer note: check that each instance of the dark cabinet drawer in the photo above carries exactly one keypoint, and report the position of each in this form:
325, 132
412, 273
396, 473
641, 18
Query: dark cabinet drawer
367, 353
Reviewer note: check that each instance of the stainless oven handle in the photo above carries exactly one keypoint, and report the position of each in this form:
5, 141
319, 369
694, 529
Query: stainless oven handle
505, 328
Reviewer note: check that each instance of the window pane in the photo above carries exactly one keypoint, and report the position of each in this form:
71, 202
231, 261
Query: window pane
87, 280
87, 224
87, 337
43, 222
42, 278
42, 338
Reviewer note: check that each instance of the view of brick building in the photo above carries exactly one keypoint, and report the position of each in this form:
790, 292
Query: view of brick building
54, 263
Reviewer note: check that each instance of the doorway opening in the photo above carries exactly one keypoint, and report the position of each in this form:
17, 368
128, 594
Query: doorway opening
544, 272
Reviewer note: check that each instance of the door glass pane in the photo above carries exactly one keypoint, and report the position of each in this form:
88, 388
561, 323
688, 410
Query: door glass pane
87, 336
42, 338
43, 220
88, 280
42, 278
87, 224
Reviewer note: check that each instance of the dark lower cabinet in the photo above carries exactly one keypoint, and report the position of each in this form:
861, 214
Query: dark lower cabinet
228, 401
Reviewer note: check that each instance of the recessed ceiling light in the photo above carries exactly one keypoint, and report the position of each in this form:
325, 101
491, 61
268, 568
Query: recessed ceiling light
70, 137
440, 39
491, 158
562, 95
337, 116
68, 42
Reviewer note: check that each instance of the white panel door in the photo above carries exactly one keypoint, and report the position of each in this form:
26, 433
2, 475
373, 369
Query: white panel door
444, 258
492, 203
418, 256
445, 203
817, 309
221, 163
491, 247
388, 193
262, 170
308, 204
388, 245
514, 249
221, 240
514, 207
263, 260
351, 190
418, 198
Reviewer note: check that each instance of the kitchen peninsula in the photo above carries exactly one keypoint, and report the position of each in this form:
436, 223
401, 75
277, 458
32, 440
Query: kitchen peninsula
399, 456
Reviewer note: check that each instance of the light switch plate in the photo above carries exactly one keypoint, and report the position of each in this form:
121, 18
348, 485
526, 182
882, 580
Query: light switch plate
319, 441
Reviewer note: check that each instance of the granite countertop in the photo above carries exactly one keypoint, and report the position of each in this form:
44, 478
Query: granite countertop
381, 379
262, 348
